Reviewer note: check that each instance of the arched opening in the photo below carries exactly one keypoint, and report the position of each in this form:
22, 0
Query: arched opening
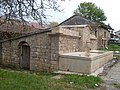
24, 50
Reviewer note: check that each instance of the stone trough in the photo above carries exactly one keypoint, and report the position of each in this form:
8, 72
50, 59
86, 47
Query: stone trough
79, 62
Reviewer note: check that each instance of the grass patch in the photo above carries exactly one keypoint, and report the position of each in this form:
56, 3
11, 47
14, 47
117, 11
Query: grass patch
83, 80
117, 86
111, 47
27, 80
117, 56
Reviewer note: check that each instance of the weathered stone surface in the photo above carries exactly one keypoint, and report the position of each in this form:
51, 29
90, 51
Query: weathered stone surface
46, 47
75, 63
40, 51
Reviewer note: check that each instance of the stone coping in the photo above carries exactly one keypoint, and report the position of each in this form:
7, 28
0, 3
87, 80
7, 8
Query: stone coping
74, 26
61, 34
81, 55
95, 73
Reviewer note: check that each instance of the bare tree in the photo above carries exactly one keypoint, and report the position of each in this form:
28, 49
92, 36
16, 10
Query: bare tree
26, 9
15, 13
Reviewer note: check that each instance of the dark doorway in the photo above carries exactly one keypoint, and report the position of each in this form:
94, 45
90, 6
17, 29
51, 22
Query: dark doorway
24, 56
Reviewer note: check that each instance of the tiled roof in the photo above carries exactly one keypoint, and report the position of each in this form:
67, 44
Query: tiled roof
20, 27
76, 20
79, 20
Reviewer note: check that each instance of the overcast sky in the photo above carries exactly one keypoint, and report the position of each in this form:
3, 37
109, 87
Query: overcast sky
110, 7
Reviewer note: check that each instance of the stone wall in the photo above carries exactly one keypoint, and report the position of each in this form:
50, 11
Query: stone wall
68, 39
101, 40
54, 50
9, 54
93, 44
75, 42
40, 52
68, 44
85, 37
69, 31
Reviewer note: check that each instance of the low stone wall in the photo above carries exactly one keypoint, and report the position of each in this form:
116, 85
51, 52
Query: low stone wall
77, 62
102, 59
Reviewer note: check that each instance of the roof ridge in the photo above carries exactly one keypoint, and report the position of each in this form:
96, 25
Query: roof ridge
85, 19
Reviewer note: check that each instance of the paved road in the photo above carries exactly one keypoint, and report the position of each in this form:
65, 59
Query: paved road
113, 77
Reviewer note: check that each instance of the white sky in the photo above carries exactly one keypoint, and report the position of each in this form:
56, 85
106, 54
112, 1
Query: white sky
110, 7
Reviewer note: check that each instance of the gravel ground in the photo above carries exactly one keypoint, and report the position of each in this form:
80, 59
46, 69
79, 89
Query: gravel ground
111, 75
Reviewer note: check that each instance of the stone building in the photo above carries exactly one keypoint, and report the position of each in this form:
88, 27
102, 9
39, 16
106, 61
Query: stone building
40, 50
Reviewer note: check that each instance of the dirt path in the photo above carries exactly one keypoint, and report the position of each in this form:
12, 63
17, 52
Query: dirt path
111, 75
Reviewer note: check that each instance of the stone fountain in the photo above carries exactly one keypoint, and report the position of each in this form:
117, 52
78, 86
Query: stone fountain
84, 62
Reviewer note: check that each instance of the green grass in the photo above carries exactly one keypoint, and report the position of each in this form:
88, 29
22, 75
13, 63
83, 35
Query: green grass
117, 56
27, 80
117, 86
111, 47
83, 80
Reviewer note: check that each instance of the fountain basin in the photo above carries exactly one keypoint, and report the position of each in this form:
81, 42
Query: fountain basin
78, 62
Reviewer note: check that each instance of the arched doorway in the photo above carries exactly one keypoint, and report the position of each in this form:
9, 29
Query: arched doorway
24, 55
